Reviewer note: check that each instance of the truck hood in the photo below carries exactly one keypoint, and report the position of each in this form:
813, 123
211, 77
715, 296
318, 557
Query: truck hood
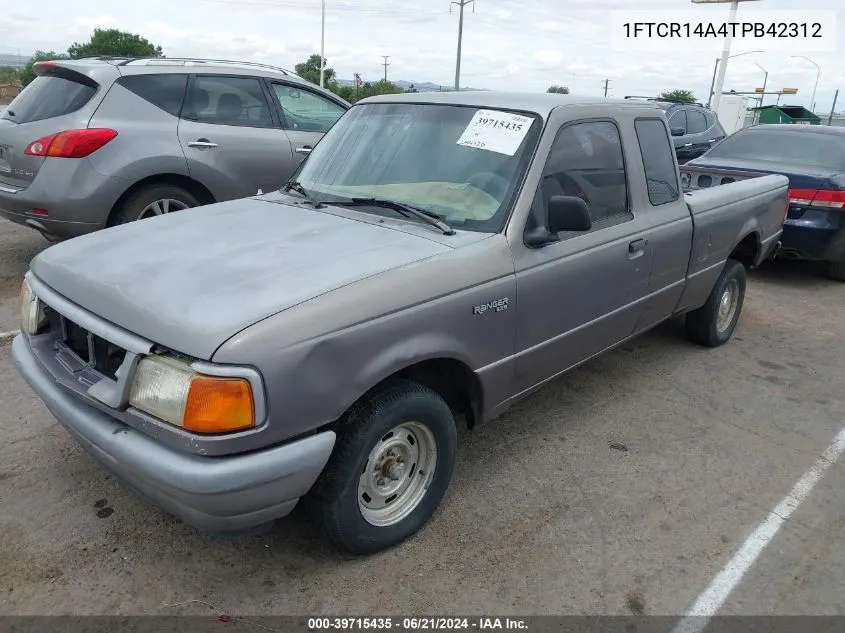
192, 279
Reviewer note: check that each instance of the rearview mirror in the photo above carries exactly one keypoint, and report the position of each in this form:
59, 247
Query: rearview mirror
568, 213
678, 131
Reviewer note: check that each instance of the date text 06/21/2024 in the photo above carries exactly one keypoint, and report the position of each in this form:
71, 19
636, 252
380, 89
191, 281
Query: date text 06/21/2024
416, 624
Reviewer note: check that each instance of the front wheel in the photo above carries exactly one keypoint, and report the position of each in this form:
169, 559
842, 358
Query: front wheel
389, 470
714, 322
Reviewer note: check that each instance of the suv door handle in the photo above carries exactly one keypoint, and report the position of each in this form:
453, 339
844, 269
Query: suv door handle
202, 143
305, 149
636, 248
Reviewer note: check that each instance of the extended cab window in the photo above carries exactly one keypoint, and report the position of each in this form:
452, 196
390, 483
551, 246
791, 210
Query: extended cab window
164, 91
657, 152
305, 111
227, 101
586, 161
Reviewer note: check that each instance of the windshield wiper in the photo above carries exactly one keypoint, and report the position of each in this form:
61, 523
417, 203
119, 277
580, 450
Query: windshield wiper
298, 188
407, 210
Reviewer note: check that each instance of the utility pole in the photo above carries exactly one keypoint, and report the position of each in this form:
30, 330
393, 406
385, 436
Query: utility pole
833, 107
385, 64
606, 84
323, 49
461, 4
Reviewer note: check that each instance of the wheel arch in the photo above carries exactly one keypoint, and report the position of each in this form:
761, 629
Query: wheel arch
194, 187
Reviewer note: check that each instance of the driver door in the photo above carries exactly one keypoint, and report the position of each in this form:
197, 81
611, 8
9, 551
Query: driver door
306, 116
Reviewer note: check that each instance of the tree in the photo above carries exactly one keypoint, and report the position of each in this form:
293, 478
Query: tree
678, 96
112, 42
27, 75
381, 87
8, 74
561, 90
310, 71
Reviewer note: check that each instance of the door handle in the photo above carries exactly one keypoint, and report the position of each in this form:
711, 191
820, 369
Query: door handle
688, 145
636, 248
202, 143
305, 149
712, 140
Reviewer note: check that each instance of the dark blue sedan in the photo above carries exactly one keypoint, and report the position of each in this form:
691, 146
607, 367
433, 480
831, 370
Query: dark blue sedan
813, 158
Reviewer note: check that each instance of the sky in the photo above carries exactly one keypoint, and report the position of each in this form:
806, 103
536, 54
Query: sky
517, 45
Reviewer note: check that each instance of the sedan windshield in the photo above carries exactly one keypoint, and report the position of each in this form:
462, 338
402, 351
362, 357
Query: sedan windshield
784, 146
460, 163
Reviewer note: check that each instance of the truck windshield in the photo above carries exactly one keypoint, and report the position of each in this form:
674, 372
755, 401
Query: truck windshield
461, 163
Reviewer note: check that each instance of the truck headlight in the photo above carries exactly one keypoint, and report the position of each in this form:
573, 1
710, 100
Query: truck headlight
170, 390
33, 316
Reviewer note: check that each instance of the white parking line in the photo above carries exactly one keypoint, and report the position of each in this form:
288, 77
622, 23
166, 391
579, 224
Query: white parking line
12, 334
709, 602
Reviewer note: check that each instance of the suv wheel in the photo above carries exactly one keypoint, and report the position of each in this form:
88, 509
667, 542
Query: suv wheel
151, 201
389, 470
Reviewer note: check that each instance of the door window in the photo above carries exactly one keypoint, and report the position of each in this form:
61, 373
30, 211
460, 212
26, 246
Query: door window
586, 161
696, 122
679, 119
306, 111
227, 101
661, 178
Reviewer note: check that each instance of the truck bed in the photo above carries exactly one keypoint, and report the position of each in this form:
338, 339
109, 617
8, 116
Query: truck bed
724, 215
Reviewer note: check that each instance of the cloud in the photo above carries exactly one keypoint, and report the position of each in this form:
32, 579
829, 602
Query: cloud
508, 44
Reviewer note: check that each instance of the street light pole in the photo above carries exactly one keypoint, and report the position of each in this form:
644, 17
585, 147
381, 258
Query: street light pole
765, 81
726, 50
818, 74
715, 68
323, 48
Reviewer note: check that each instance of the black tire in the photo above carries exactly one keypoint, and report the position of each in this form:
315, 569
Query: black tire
702, 325
334, 499
131, 208
836, 270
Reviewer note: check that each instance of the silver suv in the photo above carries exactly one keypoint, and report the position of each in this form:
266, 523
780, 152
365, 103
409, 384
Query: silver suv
96, 142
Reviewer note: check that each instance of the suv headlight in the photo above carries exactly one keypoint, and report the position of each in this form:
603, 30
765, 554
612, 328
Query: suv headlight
170, 390
33, 316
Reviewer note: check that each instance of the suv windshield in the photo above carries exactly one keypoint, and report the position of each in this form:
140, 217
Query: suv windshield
47, 97
787, 146
461, 163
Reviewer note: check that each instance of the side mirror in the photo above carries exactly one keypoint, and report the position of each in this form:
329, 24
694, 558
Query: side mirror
564, 213
678, 131
568, 213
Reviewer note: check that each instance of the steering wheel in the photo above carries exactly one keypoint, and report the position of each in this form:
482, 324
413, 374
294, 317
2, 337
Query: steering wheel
491, 183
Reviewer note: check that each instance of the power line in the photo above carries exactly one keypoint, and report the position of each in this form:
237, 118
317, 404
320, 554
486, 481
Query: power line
461, 4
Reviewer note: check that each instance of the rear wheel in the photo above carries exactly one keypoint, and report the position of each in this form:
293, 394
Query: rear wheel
714, 322
153, 200
836, 270
389, 470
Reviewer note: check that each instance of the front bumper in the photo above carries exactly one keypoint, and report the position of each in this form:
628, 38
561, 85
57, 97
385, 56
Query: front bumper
214, 494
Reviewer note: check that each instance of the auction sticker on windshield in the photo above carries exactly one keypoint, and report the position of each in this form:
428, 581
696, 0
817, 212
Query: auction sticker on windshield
495, 131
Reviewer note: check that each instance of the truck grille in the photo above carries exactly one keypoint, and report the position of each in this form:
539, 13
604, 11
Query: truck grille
98, 353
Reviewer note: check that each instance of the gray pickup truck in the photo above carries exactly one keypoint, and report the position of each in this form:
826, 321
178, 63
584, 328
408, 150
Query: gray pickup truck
438, 256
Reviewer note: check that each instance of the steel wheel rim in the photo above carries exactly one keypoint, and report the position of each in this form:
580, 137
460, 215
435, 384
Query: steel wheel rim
727, 305
160, 207
397, 474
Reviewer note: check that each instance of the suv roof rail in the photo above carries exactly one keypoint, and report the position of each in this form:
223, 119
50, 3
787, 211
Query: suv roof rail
164, 61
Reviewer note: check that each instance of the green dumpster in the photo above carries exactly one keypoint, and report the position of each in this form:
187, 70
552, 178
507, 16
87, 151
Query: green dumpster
786, 114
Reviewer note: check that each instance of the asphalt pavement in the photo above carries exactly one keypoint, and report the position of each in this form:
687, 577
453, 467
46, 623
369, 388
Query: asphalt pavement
626, 486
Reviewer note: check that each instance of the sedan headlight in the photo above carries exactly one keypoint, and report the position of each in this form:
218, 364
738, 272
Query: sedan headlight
33, 316
171, 390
